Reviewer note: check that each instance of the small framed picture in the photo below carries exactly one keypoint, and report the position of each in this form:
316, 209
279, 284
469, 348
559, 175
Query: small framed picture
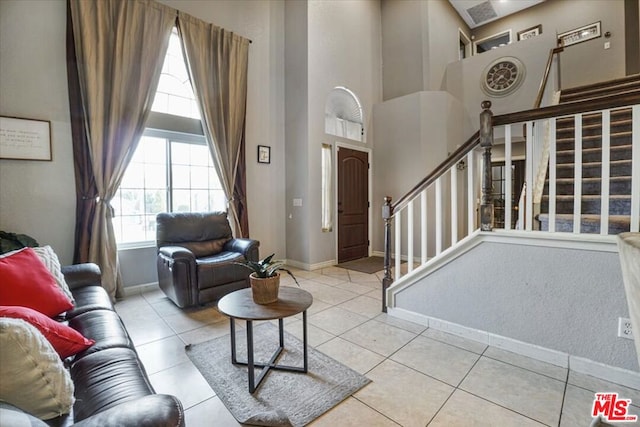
530, 32
264, 154
579, 35
25, 139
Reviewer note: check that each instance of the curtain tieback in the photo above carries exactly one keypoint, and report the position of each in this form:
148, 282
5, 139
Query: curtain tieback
107, 203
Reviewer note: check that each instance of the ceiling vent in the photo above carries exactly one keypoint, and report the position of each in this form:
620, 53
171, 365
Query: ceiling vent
482, 12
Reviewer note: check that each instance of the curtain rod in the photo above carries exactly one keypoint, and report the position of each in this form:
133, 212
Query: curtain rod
178, 14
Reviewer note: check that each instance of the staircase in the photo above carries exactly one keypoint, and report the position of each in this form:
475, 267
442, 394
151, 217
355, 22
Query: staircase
591, 164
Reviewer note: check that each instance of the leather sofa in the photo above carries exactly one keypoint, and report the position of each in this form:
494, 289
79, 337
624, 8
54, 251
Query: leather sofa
197, 255
111, 385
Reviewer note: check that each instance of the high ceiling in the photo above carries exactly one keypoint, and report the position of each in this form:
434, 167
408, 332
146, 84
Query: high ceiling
479, 12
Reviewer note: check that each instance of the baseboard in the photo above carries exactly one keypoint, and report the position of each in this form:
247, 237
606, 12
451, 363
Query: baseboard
578, 364
137, 289
311, 267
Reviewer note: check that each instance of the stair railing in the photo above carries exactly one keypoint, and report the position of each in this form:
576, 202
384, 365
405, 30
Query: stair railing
444, 176
441, 221
545, 76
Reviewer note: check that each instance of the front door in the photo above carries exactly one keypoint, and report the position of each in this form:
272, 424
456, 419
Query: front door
353, 204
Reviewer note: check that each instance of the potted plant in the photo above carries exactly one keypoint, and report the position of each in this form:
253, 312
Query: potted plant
265, 278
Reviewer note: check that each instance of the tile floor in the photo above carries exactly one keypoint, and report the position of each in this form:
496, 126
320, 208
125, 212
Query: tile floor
420, 377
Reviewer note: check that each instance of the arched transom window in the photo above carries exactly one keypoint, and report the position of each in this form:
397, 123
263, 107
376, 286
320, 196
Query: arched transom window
343, 114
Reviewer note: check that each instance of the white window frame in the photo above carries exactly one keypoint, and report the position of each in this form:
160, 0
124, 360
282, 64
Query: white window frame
494, 36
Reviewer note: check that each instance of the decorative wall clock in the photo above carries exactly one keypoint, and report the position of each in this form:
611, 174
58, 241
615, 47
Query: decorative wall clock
502, 76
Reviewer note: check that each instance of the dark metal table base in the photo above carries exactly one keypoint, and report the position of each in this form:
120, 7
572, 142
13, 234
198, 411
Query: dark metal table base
271, 364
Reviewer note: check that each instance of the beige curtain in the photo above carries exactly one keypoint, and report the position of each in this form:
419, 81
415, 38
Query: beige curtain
120, 48
217, 61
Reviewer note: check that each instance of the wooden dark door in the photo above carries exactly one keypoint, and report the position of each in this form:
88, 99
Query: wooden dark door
353, 204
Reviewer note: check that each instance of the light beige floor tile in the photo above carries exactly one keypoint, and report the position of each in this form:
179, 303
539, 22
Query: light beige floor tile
464, 409
183, 381
359, 277
328, 294
354, 287
143, 333
336, 320
469, 345
439, 360
154, 295
135, 300
211, 412
363, 305
597, 385
376, 293
135, 313
357, 358
416, 328
379, 337
162, 354
351, 412
315, 335
533, 395
329, 280
165, 307
543, 368
189, 320
577, 407
403, 394
316, 307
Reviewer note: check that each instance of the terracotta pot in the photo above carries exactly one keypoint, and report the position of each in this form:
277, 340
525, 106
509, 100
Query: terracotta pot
264, 291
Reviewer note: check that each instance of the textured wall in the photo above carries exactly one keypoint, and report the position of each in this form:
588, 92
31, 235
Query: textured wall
37, 198
563, 299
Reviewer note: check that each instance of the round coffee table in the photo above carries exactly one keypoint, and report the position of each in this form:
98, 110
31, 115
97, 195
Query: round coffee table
240, 305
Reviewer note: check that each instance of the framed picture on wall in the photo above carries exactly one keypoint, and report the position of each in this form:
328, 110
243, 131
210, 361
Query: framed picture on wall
530, 32
264, 154
25, 139
579, 35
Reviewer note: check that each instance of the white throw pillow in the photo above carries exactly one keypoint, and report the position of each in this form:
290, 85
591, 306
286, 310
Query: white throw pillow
34, 378
51, 261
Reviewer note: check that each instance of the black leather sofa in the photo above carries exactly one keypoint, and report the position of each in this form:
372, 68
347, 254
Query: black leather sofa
111, 385
197, 255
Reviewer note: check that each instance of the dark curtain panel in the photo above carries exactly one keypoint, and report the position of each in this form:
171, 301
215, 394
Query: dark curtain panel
86, 191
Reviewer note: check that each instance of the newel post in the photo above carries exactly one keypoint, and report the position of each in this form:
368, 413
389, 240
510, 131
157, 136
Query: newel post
486, 141
387, 213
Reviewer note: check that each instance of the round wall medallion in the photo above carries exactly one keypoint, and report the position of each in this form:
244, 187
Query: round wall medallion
503, 76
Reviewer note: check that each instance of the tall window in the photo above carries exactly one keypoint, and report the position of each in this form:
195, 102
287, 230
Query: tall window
172, 169
327, 187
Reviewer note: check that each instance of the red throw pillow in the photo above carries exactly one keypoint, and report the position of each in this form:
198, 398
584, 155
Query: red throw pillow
65, 340
25, 281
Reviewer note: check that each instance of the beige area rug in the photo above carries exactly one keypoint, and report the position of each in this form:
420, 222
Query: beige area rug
284, 398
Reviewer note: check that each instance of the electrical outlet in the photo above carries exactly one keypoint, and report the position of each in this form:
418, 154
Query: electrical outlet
624, 328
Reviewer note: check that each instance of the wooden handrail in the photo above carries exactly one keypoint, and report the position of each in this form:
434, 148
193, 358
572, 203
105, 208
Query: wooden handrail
454, 158
569, 108
545, 78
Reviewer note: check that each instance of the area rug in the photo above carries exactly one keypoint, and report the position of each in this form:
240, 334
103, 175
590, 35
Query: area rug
284, 398
368, 265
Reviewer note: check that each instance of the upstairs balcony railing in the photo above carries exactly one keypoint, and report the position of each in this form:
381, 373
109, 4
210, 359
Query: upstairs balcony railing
455, 199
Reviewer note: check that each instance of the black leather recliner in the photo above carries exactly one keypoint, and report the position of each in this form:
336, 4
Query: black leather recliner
196, 255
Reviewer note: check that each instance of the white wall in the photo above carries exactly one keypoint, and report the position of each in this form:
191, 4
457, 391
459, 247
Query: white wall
419, 39
37, 198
